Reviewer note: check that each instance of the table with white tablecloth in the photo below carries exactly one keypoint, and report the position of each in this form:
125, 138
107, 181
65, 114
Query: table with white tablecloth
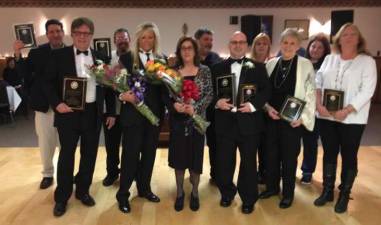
14, 98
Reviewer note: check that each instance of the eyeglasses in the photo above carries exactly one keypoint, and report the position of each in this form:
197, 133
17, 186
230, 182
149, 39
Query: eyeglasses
238, 42
189, 48
84, 34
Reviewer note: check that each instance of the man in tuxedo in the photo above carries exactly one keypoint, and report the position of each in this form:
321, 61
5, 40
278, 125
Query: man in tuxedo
73, 125
113, 135
239, 125
33, 68
204, 38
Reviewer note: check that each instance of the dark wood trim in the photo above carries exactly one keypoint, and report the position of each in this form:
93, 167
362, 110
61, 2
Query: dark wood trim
188, 4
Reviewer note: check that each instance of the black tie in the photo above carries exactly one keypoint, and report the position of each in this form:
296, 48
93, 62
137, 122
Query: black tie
86, 52
147, 54
239, 61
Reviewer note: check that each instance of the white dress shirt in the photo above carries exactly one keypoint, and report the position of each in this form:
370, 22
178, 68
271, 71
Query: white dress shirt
356, 77
143, 56
81, 61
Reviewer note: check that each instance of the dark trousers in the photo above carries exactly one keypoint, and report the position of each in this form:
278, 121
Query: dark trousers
88, 132
211, 142
138, 158
310, 147
262, 155
113, 137
344, 138
226, 161
283, 147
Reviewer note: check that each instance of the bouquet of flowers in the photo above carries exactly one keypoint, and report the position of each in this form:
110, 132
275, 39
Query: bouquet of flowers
189, 94
120, 80
158, 72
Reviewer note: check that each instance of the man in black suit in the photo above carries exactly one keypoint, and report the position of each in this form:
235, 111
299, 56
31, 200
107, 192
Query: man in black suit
239, 125
113, 135
73, 125
140, 137
33, 68
204, 38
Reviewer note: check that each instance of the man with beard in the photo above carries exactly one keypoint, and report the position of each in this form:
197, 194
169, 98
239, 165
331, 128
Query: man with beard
33, 68
204, 38
113, 135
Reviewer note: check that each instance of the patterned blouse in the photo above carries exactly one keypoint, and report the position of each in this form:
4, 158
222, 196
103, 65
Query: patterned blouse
203, 79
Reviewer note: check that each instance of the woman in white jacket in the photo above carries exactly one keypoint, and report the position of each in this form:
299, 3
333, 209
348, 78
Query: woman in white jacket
354, 72
290, 75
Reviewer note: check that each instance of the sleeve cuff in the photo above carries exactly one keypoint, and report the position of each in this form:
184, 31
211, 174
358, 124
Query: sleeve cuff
252, 108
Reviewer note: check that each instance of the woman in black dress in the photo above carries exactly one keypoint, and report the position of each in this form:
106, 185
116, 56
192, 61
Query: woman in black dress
186, 144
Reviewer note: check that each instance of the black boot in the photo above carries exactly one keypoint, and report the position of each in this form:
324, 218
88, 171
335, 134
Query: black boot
342, 202
329, 177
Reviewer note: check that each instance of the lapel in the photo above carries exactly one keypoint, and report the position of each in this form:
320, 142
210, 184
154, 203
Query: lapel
72, 65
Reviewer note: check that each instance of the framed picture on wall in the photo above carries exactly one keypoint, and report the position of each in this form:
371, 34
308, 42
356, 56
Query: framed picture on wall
267, 26
302, 26
25, 33
103, 45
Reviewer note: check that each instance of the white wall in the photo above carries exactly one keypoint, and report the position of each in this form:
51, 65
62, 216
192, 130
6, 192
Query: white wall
170, 22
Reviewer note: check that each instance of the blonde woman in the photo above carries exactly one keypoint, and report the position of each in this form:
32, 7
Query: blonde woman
353, 71
260, 50
140, 137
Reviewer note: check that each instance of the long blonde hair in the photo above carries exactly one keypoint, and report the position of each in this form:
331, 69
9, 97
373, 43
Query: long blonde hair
147, 26
255, 41
361, 46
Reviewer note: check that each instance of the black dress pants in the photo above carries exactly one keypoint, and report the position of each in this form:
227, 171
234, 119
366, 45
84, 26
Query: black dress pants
138, 157
283, 147
88, 132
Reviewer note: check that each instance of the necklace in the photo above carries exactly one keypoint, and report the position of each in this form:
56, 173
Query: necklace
284, 71
340, 76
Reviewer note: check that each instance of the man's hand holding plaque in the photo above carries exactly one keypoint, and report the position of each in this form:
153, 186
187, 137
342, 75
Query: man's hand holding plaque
247, 93
333, 100
226, 92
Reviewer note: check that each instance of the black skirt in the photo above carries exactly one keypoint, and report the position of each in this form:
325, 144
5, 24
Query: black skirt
186, 145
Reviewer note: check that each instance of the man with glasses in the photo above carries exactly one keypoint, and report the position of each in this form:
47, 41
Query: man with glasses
32, 69
239, 125
73, 125
113, 134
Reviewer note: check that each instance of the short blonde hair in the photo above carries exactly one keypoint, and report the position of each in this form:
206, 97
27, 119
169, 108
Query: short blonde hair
290, 33
361, 46
260, 36
147, 26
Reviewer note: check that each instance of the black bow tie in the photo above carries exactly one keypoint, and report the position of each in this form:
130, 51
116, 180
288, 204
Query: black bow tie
239, 61
86, 52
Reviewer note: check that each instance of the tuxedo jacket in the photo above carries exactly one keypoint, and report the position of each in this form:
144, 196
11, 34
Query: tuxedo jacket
62, 64
248, 123
153, 97
32, 69
304, 88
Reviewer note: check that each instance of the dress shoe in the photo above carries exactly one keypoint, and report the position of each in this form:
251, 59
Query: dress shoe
179, 203
59, 209
267, 194
286, 202
46, 182
225, 202
109, 180
306, 179
150, 197
86, 199
247, 208
194, 203
124, 207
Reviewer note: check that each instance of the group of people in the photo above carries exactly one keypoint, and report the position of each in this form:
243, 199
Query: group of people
254, 123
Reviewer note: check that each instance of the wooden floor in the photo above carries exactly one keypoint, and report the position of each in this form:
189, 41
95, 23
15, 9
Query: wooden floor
22, 203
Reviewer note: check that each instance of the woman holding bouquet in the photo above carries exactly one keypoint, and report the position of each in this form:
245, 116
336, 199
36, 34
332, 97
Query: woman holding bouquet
140, 136
290, 75
186, 144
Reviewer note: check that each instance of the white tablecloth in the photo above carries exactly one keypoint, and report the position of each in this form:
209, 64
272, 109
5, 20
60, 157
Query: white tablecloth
13, 97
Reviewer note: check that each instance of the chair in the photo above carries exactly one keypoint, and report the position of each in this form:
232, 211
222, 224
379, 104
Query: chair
5, 111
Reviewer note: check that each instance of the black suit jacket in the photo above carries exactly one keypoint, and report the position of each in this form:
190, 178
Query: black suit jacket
153, 97
32, 69
248, 123
62, 64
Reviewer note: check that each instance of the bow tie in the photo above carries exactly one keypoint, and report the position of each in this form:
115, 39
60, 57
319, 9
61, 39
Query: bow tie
239, 61
86, 52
